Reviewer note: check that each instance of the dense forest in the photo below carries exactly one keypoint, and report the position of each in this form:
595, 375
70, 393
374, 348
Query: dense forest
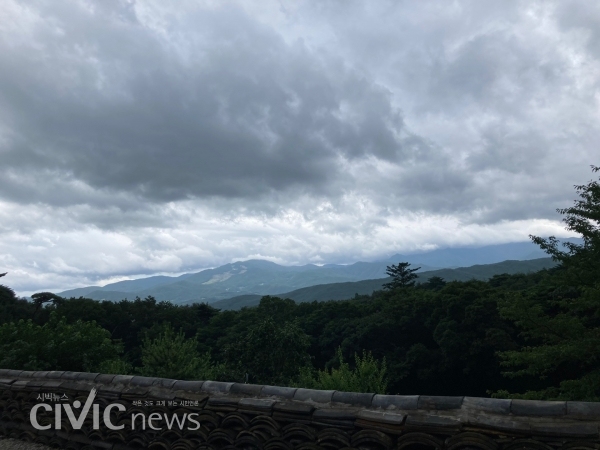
524, 336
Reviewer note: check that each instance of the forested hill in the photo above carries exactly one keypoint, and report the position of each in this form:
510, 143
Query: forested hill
342, 291
435, 340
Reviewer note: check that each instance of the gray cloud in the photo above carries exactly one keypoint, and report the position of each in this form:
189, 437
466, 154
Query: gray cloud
110, 104
502, 90
215, 103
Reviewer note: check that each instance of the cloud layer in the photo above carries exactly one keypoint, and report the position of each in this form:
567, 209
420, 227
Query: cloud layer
138, 138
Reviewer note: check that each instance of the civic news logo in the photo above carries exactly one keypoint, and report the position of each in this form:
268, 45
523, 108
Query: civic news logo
153, 420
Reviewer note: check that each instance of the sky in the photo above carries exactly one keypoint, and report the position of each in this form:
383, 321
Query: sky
139, 138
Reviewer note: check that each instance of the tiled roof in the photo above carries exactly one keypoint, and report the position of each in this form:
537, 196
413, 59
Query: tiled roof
233, 414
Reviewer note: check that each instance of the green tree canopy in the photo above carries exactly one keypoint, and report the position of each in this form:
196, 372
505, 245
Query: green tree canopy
562, 323
401, 275
434, 283
369, 375
56, 345
270, 352
45, 297
171, 355
11, 307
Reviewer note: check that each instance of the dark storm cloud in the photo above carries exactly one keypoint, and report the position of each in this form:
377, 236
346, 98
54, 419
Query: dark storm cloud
507, 93
112, 105
227, 109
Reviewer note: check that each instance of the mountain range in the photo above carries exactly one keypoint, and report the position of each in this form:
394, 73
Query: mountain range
260, 277
344, 291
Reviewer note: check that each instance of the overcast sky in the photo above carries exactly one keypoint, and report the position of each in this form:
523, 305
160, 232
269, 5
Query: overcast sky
163, 137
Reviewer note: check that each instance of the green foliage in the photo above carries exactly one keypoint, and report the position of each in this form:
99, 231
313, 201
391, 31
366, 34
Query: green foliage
269, 353
12, 308
57, 345
434, 283
582, 261
171, 355
369, 375
44, 297
561, 325
129, 321
116, 366
401, 275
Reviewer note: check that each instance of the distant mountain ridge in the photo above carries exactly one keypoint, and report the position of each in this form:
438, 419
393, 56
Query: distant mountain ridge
344, 291
248, 277
260, 277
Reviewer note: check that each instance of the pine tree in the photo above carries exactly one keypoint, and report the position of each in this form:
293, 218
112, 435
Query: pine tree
401, 275
562, 324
